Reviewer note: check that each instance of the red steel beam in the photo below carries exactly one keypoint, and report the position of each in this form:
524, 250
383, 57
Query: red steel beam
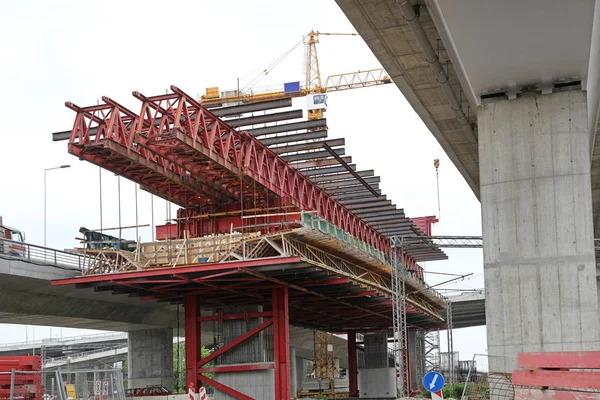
281, 345
235, 342
179, 270
181, 117
193, 348
325, 282
228, 317
225, 389
352, 364
237, 368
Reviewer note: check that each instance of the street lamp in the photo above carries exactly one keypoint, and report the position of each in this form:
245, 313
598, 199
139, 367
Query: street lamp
46, 170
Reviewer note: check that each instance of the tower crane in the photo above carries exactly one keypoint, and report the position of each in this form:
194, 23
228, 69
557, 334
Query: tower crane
313, 86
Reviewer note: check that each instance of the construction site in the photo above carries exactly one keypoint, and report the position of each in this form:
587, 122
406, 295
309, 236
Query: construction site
286, 271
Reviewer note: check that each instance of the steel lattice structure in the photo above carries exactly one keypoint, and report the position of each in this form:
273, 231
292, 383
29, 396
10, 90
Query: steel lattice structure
178, 150
400, 331
418, 245
448, 242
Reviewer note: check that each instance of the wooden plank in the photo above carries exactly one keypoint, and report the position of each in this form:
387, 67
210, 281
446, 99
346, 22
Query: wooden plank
568, 379
570, 359
539, 394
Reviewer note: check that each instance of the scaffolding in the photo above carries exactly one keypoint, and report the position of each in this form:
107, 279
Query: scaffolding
420, 245
400, 334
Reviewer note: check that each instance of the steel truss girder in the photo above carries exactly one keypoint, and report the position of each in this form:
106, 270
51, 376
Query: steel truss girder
434, 242
313, 255
237, 154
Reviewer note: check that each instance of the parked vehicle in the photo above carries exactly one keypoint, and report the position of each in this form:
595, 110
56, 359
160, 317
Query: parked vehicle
13, 246
148, 391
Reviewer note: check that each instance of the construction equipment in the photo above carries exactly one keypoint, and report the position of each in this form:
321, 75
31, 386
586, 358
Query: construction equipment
14, 237
324, 377
20, 377
313, 87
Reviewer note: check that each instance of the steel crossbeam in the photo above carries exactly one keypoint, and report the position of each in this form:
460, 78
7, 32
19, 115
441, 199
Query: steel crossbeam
174, 139
436, 242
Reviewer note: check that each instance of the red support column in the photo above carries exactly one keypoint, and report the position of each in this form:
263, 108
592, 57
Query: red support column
281, 339
193, 343
352, 364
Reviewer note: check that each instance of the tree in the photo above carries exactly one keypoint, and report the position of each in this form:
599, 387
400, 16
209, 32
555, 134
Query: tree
180, 385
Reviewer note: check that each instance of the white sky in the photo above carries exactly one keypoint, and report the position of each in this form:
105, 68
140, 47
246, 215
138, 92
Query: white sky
81, 50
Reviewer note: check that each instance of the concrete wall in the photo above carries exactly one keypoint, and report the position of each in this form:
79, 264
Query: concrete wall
376, 351
540, 270
377, 383
257, 349
150, 360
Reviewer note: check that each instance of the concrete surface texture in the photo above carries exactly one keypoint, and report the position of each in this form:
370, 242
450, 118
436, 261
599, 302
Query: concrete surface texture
150, 358
540, 269
383, 28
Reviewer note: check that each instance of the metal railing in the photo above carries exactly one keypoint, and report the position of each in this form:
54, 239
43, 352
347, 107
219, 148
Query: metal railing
42, 255
76, 356
64, 340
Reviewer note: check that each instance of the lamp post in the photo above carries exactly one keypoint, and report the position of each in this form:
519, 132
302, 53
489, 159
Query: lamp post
45, 171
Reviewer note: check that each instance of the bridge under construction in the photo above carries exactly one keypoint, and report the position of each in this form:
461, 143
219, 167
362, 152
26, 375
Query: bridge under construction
276, 227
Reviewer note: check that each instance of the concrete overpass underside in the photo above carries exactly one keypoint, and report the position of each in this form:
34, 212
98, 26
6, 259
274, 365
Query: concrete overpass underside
382, 26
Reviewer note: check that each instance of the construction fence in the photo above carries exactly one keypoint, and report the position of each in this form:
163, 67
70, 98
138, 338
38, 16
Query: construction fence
88, 384
481, 383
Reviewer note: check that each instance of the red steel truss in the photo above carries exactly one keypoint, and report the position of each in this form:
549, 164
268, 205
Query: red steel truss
178, 150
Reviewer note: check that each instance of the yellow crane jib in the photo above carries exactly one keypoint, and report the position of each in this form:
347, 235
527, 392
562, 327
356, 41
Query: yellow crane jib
312, 88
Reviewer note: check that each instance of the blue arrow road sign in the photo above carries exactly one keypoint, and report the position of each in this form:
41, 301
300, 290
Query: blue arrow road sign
433, 381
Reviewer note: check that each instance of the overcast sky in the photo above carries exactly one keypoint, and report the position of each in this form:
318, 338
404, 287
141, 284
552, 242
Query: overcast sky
79, 51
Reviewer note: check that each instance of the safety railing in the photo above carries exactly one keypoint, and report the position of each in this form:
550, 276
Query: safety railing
83, 354
64, 340
42, 255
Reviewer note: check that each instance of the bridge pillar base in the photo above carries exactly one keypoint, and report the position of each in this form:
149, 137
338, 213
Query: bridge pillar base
539, 261
150, 360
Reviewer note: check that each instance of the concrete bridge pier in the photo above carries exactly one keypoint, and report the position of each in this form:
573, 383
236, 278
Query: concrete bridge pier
150, 360
536, 199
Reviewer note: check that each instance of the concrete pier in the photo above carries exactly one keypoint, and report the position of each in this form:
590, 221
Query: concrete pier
540, 269
150, 360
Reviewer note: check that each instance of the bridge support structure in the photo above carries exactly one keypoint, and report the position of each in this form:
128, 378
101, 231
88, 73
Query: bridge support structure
271, 385
150, 360
539, 261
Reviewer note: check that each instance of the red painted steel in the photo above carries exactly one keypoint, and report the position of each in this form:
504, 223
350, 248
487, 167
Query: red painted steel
193, 332
541, 394
224, 388
352, 364
228, 317
29, 386
281, 348
174, 271
237, 368
575, 359
570, 379
425, 223
235, 342
179, 150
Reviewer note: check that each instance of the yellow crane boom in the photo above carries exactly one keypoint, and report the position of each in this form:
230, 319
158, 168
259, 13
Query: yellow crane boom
312, 84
